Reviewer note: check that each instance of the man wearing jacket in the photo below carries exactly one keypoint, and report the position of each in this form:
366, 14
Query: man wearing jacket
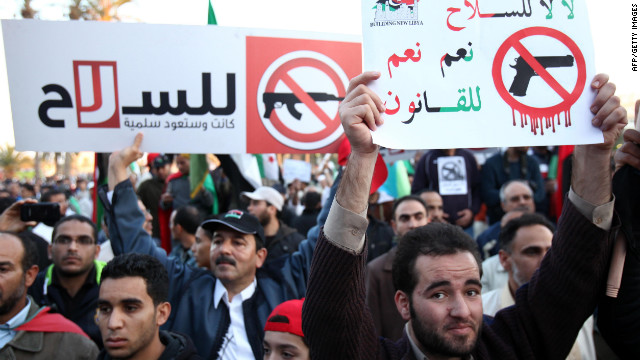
437, 267
196, 295
266, 203
26, 330
70, 284
131, 308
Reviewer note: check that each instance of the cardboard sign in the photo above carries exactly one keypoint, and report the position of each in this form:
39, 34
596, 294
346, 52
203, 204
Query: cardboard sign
296, 169
194, 89
481, 73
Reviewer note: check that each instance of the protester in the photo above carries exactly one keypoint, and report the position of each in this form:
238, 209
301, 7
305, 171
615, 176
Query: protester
514, 194
131, 308
435, 208
204, 300
618, 311
70, 284
437, 267
312, 206
266, 203
512, 165
283, 336
409, 212
201, 247
184, 223
28, 331
523, 243
438, 168
150, 191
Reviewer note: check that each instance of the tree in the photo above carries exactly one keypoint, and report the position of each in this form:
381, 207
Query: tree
103, 10
10, 160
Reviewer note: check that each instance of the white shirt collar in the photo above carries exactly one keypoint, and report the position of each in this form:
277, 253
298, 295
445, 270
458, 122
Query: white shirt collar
220, 293
19, 318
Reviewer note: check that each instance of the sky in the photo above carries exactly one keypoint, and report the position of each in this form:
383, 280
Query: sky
610, 29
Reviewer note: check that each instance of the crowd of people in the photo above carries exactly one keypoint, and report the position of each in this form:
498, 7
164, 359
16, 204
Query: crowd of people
474, 263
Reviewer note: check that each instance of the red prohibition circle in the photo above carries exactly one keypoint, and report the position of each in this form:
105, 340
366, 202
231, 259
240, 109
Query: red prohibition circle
515, 40
279, 73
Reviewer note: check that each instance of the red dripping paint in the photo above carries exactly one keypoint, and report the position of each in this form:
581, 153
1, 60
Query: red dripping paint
542, 120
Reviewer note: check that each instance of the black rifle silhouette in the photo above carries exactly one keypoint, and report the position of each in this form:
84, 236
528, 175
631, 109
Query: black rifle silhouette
277, 100
524, 72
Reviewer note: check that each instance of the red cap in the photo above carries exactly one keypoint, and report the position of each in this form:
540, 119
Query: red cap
286, 317
151, 157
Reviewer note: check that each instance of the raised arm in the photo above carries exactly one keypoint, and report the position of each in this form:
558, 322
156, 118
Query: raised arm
335, 319
125, 218
618, 318
562, 294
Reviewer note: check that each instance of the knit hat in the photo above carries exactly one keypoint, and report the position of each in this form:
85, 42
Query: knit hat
286, 317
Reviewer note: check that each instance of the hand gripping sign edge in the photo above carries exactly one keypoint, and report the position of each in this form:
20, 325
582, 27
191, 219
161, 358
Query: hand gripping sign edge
272, 76
537, 114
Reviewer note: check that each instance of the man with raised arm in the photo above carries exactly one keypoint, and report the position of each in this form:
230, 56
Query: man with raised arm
223, 309
437, 268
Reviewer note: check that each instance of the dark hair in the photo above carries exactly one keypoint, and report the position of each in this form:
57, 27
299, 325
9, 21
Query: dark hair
508, 232
407, 198
145, 266
30, 256
188, 217
5, 202
46, 197
207, 231
434, 239
76, 217
29, 187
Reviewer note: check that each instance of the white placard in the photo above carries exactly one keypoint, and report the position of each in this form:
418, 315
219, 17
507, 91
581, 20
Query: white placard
94, 85
480, 73
296, 169
452, 175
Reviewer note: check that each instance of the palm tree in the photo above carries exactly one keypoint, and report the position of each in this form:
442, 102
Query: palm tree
10, 160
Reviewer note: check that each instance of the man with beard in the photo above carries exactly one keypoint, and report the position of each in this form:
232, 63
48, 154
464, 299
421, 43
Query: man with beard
524, 241
437, 267
266, 203
26, 330
409, 212
70, 284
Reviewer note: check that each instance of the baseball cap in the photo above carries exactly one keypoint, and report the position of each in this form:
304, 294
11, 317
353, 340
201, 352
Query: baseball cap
268, 194
239, 221
286, 317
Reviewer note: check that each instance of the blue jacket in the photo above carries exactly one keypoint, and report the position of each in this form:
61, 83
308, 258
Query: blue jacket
191, 290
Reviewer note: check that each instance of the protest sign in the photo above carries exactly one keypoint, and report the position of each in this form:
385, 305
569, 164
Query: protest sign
480, 73
296, 169
195, 89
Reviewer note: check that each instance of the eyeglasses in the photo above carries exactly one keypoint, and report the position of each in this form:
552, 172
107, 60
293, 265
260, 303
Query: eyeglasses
82, 240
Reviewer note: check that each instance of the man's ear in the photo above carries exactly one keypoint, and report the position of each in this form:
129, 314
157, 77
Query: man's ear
162, 313
393, 225
49, 253
402, 304
261, 257
504, 256
97, 252
30, 275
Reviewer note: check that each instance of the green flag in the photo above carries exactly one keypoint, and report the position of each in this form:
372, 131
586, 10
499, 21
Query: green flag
212, 16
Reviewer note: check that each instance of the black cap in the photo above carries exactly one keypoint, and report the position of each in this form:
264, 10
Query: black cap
237, 220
